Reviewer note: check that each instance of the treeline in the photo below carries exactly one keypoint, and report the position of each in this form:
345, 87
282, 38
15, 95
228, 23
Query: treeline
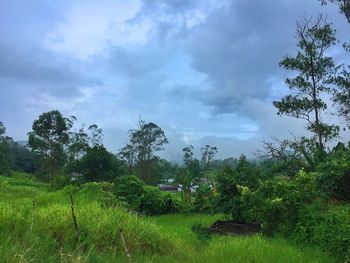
61, 151
13, 155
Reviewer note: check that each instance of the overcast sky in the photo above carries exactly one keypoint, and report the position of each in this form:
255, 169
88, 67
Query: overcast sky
205, 71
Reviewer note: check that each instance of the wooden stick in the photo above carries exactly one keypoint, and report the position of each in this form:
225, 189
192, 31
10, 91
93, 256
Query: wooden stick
124, 244
76, 233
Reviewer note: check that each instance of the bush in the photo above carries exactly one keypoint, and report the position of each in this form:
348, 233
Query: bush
334, 176
229, 186
170, 204
144, 199
204, 199
281, 200
151, 201
129, 189
327, 227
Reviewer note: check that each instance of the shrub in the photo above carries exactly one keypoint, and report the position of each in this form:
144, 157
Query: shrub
229, 185
334, 176
151, 201
170, 204
281, 201
204, 199
327, 227
129, 189
144, 199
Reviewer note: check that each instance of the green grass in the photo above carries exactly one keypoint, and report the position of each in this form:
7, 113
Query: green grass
167, 238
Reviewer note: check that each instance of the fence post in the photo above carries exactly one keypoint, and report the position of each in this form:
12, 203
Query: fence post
76, 233
124, 244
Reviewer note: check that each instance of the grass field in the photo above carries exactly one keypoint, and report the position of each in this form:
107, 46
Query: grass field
166, 238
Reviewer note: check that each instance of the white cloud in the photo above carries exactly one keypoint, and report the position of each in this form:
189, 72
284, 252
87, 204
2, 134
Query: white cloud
89, 27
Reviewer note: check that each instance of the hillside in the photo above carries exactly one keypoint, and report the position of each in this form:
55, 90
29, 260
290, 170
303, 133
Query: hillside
46, 234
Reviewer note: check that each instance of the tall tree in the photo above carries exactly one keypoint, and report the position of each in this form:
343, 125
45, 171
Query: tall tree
145, 141
22, 158
5, 159
98, 164
48, 139
78, 144
342, 95
208, 154
95, 136
343, 5
313, 81
127, 153
190, 174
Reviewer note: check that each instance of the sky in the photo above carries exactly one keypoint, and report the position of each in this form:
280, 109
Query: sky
206, 71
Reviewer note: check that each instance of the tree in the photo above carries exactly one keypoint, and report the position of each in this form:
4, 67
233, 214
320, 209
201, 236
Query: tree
313, 81
5, 159
344, 7
22, 158
342, 80
289, 156
48, 139
190, 174
78, 144
127, 153
230, 183
208, 154
98, 164
95, 136
144, 143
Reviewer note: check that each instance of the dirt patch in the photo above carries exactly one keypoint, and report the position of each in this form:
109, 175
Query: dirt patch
234, 228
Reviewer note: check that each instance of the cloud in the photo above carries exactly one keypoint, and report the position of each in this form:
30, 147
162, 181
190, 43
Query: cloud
204, 71
89, 27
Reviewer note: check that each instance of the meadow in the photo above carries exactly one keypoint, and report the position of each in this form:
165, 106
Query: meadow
42, 231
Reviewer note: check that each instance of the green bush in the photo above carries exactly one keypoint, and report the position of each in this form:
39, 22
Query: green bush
229, 186
151, 201
129, 189
281, 200
327, 227
144, 199
334, 175
204, 201
170, 204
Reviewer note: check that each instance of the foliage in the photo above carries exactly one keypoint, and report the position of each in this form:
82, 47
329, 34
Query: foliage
23, 158
344, 6
190, 175
205, 199
99, 165
166, 238
5, 160
144, 199
47, 140
327, 227
129, 189
279, 201
230, 183
143, 144
314, 37
208, 154
334, 174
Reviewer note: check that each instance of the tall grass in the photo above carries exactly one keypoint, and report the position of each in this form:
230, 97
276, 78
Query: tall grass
159, 239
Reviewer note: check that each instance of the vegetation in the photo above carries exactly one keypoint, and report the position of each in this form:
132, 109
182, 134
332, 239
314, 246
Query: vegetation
46, 233
65, 198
